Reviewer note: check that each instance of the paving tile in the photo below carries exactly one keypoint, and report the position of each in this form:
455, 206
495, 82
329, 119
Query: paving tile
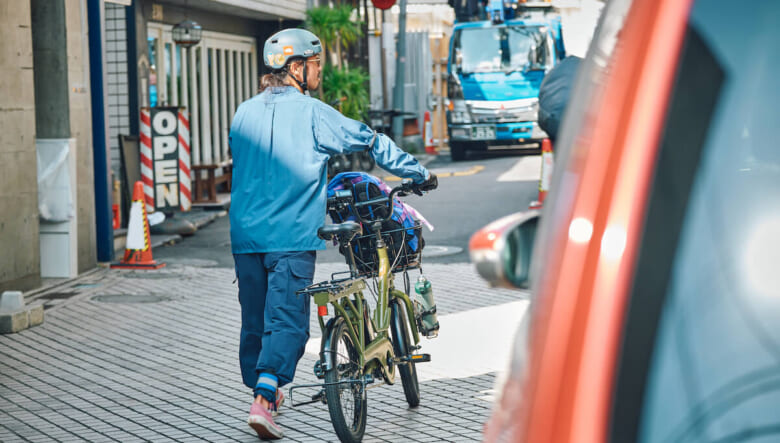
167, 371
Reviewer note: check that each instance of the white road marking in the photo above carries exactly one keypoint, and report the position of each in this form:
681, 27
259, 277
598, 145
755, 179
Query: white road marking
470, 343
528, 168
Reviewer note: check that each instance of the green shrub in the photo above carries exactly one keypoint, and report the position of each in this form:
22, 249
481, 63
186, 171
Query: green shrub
347, 86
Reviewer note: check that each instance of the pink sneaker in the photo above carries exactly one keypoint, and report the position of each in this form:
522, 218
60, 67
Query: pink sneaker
261, 421
279, 402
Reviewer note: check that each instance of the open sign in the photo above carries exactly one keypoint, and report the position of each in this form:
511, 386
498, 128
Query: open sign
169, 160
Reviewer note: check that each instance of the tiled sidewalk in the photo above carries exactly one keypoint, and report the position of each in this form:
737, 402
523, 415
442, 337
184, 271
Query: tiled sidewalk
152, 356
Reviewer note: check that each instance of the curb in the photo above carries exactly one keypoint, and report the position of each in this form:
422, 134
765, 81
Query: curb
156, 241
424, 159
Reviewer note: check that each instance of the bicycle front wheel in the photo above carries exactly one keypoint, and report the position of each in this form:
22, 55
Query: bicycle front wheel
402, 346
347, 402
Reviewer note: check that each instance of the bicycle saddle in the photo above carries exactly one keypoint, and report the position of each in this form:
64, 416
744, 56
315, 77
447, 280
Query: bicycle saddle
344, 231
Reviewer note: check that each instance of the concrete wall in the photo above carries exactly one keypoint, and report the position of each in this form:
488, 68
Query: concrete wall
19, 225
254, 9
20, 257
81, 130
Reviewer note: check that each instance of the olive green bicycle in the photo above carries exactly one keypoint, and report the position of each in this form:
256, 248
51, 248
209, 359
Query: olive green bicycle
358, 348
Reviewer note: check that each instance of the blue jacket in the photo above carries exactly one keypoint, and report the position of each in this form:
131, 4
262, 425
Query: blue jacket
281, 141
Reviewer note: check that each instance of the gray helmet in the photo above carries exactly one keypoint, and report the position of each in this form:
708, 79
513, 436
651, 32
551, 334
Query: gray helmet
287, 44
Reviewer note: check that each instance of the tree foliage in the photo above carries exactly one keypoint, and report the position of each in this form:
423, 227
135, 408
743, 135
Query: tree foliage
337, 31
349, 88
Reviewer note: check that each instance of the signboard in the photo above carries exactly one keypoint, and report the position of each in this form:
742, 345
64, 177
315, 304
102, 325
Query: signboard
165, 160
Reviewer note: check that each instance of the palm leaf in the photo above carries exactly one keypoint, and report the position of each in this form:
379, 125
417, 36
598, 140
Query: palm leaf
348, 86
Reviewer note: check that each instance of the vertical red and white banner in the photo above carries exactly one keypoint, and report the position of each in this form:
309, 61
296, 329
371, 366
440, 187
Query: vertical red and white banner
147, 170
184, 161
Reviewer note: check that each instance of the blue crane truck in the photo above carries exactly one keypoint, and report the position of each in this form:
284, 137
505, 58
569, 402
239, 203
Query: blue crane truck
499, 54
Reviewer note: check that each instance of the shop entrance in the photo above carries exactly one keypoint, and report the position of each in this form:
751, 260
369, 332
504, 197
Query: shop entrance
210, 80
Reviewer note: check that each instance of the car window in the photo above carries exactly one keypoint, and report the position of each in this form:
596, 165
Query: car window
714, 371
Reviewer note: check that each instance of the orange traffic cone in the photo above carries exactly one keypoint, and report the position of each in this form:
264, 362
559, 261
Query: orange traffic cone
546, 175
138, 251
430, 148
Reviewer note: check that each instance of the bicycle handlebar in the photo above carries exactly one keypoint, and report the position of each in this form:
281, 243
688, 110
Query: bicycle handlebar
407, 187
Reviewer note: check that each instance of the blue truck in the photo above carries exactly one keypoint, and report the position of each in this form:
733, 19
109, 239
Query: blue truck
499, 54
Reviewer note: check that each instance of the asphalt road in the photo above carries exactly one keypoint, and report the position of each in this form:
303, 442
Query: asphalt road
471, 194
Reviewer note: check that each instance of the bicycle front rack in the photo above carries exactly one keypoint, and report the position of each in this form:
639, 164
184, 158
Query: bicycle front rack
320, 396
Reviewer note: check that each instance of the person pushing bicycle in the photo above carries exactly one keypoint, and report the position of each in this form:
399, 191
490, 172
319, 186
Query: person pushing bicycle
281, 140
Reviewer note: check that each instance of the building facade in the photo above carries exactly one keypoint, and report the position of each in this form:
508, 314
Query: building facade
44, 91
68, 92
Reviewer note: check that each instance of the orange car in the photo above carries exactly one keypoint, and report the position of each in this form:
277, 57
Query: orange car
655, 269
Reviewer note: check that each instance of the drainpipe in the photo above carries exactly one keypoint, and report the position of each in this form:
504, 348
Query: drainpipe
400, 66
97, 70
132, 68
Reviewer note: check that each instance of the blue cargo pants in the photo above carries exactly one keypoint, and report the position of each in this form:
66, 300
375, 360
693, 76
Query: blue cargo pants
274, 319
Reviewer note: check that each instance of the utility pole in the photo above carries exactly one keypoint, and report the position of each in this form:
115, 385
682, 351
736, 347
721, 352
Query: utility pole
398, 91
383, 51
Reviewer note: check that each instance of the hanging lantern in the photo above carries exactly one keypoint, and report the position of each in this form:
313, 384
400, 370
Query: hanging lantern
383, 4
187, 33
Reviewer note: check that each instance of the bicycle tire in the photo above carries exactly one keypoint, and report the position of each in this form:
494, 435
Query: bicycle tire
347, 404
365, 161
401, 346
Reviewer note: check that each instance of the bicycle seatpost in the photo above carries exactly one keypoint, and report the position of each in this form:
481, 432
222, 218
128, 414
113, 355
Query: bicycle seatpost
377, 227
352, 265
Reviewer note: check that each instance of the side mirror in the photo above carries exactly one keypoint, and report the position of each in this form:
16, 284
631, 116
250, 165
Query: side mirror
458, 60
503, 249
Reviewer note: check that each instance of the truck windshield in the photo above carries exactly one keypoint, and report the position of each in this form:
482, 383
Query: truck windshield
501, 49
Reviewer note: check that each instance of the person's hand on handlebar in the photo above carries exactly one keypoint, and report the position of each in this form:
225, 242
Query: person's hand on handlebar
408, 187
430, 184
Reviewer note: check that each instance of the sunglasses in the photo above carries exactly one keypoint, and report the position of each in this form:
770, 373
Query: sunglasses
317, 60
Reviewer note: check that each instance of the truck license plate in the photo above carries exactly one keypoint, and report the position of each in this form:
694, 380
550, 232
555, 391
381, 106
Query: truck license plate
483, 133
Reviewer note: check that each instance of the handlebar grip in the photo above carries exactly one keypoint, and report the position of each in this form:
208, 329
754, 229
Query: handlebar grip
430, 184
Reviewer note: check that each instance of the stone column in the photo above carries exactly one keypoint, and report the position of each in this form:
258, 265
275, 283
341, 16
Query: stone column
50, 56
19, 266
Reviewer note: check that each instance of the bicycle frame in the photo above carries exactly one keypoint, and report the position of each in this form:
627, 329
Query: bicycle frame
356, 347
371, 336
378, 352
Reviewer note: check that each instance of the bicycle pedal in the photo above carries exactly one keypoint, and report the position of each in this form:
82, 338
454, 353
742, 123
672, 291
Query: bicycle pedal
320, 396
421, 358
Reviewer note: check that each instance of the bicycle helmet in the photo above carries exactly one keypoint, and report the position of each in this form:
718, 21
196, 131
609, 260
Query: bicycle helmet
290, 44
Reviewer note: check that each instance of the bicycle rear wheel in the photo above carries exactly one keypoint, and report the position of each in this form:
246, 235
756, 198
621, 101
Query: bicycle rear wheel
402, 346
347, 402
364, 161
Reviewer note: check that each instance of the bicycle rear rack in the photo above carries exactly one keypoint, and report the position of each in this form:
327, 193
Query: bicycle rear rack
335, 289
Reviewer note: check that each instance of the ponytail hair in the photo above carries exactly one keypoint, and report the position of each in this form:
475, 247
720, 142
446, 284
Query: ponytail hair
278, 77
274, 79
